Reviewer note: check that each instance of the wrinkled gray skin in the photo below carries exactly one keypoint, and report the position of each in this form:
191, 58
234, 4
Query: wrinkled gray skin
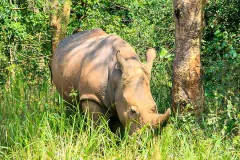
109, 77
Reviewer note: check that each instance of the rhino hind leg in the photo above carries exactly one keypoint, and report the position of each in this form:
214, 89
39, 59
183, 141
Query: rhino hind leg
93, 110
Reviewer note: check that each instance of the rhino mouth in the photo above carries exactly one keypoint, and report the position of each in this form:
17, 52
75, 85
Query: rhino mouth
157, 121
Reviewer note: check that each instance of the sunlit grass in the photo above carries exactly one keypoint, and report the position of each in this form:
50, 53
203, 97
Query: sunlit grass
34, 125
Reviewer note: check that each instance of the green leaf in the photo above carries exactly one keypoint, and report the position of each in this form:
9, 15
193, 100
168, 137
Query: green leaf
163, 52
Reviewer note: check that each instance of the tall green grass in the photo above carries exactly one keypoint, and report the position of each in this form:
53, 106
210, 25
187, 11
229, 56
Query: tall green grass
34, 125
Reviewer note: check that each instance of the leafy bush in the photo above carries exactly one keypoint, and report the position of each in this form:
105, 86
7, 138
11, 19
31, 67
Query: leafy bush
25, 38
221, 61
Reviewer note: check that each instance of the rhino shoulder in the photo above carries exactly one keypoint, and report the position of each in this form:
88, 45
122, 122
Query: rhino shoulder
119, 44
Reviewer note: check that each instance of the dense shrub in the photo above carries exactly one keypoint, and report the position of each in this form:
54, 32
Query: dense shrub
221, 62
24, 36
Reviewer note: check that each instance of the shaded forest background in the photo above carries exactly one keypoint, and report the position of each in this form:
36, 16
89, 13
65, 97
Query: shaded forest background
25, 47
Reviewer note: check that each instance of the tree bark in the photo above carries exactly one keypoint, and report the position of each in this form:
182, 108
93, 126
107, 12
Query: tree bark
59, 22
187, 91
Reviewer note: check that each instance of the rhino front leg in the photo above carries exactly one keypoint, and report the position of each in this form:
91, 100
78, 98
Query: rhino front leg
116, 126
93, 110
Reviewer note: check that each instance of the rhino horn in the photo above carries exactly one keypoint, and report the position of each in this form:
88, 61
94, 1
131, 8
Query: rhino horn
161, 118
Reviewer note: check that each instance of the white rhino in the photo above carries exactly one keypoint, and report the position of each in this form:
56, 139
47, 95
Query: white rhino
110, 78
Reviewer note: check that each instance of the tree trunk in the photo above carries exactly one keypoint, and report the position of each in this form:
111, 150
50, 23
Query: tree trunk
59, 22
187, 92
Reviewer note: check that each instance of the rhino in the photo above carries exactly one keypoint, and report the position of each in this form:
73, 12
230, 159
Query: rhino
110, 79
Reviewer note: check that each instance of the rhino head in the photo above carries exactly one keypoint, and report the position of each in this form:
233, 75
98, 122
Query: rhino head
134, 103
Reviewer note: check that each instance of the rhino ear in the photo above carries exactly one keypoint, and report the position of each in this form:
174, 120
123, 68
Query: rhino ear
150, 55
121, 61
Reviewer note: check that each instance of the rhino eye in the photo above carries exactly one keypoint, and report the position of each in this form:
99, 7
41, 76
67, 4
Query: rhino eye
133, 111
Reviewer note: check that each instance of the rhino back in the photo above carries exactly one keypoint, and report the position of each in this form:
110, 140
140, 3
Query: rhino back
85, 62
73, 41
